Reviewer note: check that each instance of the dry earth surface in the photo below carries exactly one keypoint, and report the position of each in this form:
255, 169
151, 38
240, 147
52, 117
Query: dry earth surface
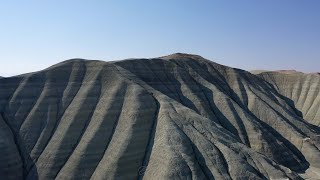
174, 117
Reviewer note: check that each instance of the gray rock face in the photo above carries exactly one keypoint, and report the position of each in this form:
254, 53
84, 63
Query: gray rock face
303, 89
174, 117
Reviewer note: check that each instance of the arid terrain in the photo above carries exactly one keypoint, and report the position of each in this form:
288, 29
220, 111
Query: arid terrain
175, 117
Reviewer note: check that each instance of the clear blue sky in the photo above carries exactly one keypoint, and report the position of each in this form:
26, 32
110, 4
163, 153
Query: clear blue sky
248, 34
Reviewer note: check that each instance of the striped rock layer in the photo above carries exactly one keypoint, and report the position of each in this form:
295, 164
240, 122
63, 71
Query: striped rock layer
175, 117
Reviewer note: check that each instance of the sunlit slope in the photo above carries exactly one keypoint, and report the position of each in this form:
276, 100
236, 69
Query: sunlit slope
303, 89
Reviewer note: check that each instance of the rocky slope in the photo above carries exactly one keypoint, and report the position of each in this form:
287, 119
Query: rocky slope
175, 117
303, 89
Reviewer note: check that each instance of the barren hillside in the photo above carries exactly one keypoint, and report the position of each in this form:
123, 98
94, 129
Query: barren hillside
174, 117
303, 89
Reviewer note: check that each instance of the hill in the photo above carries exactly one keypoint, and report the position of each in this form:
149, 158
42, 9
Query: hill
174, 117
302, 88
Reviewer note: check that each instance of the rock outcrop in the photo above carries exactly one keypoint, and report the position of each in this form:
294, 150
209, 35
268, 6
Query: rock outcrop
303, 89
174, 117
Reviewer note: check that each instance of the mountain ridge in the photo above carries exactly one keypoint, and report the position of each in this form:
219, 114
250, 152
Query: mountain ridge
178, 116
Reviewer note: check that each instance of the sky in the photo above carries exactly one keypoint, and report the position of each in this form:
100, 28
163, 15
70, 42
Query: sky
246, 34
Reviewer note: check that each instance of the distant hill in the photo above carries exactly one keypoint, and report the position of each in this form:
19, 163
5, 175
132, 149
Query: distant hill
303, 89
258, 71
174, 117
279, 71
